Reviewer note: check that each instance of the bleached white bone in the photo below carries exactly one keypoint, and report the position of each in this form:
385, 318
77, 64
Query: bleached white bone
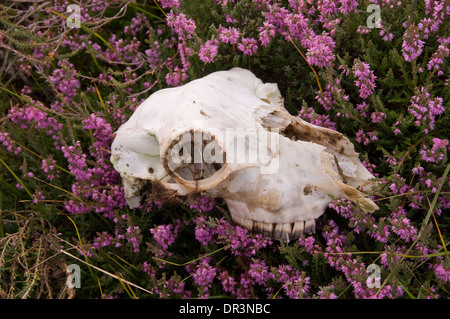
228, 135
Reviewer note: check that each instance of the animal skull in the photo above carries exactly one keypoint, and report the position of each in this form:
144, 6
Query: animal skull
228, 135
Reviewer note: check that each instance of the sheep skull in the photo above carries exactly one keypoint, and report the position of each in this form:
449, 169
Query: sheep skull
228, 135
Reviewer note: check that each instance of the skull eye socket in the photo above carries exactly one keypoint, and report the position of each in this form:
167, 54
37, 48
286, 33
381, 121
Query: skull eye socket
195, 156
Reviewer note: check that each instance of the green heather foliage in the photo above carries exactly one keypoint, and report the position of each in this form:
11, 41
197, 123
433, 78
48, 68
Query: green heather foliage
65, 91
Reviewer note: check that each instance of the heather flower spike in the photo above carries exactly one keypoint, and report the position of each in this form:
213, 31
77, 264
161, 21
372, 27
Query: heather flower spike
228, 135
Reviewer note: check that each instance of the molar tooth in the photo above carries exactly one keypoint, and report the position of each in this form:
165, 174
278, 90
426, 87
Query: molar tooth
310, 226
299, 229
283, 232
244, 222
257, 227
266, 229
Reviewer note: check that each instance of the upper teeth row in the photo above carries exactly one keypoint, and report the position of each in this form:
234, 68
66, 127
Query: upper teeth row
282, 231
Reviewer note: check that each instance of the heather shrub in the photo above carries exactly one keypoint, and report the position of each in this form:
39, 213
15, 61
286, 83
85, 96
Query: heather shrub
67, 87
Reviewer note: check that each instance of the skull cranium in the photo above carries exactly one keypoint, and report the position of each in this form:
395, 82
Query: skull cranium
228, 135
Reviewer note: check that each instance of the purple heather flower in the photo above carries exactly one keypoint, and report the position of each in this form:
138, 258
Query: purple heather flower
203, 203
204, 273
230, 19
437, 58
208, 51
326, 293
325, 99
425, 109
320, 50
176, 77
308, 243
309, 115
202, 233
345, 69
362, 137
9, 144
248, 46
437, 151
137, 24
229, 35
246, 280
153, 54
102, 132
223, 2
77, 161
442, 272
132, 235
387, 36
296, 25
49, 166
283, 273
181, 25
105, 239
348, 6
164, 235
266, 33
228, 282
365, 79
169, 3
259, 271
362, 107
362, 29
64, 80
418, 170
295, 283
377, 117
33, 117
396, 129
401, 225
412, 45
38, 197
